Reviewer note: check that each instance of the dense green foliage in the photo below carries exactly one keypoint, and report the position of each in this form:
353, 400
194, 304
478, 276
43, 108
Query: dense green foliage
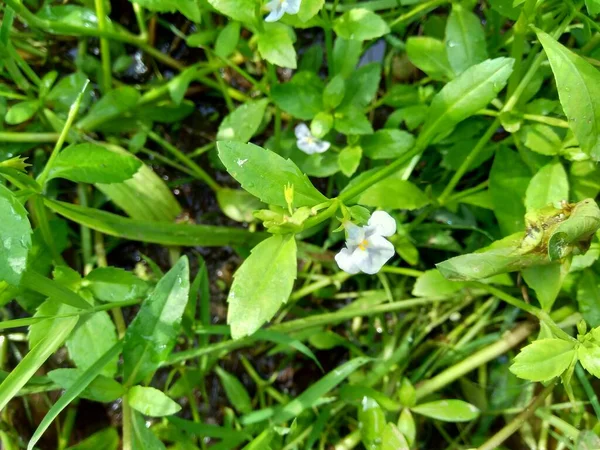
299, 224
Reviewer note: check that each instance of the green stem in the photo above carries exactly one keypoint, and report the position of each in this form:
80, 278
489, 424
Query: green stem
11, 136
139, 17
513, 426
62, 137
65, 435
416, 11
543, 316
589, 390
402, 271
41, 219
104, 48
468, 161
483, 356
198, 171
86, 234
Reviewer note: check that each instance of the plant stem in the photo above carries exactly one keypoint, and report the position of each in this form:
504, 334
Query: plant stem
508, 341
12, 136
467, 162
63, 136
86, 234
198, 171
104, 48
417, 10
513, 426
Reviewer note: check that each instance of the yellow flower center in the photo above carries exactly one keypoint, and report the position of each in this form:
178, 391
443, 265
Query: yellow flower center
363, 245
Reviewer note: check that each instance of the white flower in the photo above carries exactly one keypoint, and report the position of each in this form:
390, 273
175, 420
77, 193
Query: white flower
279, 7
367, 249
307, 142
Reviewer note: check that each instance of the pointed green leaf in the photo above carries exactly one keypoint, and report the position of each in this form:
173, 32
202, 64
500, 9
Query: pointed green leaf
152, 334
243, 123
548, 186
151, 402
262, 284
543, 360
465, 39
448, 410
15, 237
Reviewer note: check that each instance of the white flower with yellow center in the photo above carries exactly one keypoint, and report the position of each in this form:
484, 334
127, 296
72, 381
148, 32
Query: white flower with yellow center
307, 142
279, 7
367, 248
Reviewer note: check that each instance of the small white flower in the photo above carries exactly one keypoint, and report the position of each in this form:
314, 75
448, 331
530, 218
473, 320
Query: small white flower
279, 7
307, 142
367, 248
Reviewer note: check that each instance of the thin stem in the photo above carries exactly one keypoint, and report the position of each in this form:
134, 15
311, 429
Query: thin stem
86, 234
464, 167
402, 271
63, 136
11, 136
508, 341
513, 426
198, 171
104, 47
139, 17
417, 10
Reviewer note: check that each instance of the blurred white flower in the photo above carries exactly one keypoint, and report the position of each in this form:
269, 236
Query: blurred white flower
279, 7
307, 142
367, 248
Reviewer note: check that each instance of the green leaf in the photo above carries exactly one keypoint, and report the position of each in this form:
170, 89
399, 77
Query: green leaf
360, 25
65, 93
548, 186
578, 84
509, 179
576, 231
394, 193
387, 144
48, 309
351, 393
465, 39
301, 97
277, 46
448, 410
349, 159
309, 9
189, 8
241, 10
262, 284
71, 14
589, 357
243, 123
90, 340
238, 204
145, 196
310, 397
393, 439
74, 390
352, 120
543, 360
361, 87
542, 139
264, 174
371, 422
334, 92
110, 106
154, 232
15, 237
142, 437
588, 297
107, 439
152, 334
546, 281
429, 55
471, 91
91, 163
111, 284
21, 112
227, 40
433, 284
151, 402
593, 7
406, 425
235, 391
36, 357
101, 389
346, 53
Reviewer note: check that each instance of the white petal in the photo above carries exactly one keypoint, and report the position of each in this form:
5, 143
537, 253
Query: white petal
378, 251
355, 234
293, 6
302, 131
276, 13
321, 146
381, 223
345, 261
306, 145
